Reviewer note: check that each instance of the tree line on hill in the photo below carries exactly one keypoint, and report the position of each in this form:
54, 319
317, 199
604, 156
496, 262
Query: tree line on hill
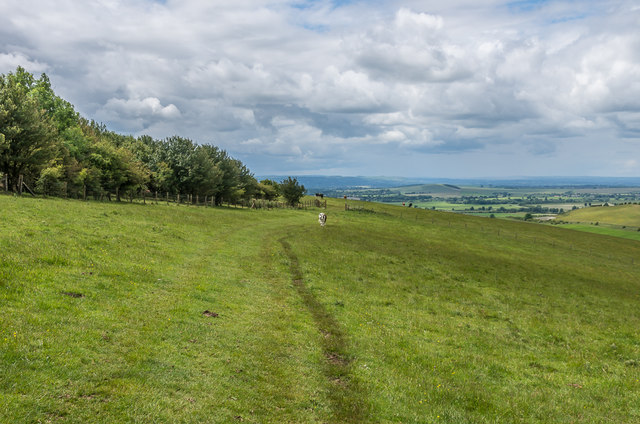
46, 145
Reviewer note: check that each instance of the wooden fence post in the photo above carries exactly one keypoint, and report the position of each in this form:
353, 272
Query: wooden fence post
178, 198
6, 182
20, 179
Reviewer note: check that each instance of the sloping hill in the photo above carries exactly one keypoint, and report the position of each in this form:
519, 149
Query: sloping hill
156, 313
628, 215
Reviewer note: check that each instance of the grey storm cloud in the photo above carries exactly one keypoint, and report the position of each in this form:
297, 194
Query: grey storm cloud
403, 87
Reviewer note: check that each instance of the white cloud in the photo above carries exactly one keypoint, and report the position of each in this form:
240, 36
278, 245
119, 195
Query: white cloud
149, 106
10, 61
321, 82
137, 114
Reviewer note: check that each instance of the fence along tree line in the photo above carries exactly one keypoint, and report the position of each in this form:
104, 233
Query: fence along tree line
146, 196
47, 146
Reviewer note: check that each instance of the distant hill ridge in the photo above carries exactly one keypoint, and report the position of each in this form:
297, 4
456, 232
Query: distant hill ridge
329, 182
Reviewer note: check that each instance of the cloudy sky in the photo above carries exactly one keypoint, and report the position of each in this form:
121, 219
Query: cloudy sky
432, 88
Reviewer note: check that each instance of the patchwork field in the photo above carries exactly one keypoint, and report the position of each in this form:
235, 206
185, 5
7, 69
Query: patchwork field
154, 313
502, 201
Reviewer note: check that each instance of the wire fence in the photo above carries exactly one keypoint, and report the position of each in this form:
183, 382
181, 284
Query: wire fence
147, 197
439, 219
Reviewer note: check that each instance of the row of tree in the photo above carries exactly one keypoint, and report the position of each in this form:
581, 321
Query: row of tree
47, 145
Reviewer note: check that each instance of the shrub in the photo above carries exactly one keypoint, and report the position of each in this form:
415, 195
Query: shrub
50, 181
292, 191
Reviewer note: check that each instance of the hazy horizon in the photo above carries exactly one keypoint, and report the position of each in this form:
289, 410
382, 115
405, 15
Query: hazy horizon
323, 181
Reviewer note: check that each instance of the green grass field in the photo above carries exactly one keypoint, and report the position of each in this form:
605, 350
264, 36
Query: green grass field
618, 221
628, 215
631, 234
387, 315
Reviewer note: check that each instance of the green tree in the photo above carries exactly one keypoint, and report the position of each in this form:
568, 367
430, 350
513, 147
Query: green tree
248, 184
177, 153
74, 155
205, 177
59, 110
269, 189
50, 181
292, 191
43, 138
117, 169
30, 136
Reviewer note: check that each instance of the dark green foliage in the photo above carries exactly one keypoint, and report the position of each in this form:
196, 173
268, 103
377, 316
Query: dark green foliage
50, 181
270, 189
30, 137
291, 190
58, 152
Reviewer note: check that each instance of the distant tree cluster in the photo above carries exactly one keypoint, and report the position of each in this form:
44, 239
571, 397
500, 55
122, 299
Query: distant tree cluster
55, 150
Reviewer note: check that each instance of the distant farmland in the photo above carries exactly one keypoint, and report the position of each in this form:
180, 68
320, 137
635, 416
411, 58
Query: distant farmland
628, 215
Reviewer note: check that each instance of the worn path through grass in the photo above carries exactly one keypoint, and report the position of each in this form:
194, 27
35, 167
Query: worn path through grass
345, 392
135, 346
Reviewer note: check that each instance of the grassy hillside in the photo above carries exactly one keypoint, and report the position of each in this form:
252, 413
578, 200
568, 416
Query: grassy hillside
628, 215
609, 230
392, 315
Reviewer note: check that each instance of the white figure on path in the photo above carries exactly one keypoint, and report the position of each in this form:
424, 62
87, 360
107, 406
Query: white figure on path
322, 219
